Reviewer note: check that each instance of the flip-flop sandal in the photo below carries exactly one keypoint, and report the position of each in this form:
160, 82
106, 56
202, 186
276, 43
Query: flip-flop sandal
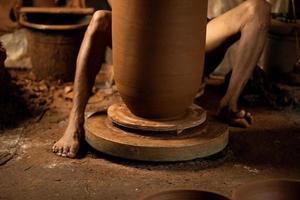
215, 80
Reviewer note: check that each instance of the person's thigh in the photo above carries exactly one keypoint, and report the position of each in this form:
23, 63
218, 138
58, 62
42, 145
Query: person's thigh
222, 27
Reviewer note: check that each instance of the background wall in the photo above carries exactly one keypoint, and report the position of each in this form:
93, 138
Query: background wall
217, 7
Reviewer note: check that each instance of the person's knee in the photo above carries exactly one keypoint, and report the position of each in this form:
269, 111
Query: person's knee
101, 20
101, 16
259, 11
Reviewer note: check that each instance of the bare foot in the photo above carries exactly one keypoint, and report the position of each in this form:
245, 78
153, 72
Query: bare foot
240, 118
68, 145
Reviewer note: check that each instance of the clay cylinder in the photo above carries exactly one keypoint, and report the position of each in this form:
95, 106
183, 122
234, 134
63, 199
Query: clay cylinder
158, 54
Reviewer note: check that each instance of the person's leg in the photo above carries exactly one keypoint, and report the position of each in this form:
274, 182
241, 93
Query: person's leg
226, 64
251, 19
90, 58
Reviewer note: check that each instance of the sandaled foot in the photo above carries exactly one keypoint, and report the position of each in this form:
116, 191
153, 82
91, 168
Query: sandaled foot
240, 118
215, 80
68, 145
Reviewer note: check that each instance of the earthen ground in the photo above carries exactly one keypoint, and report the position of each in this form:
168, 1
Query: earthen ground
269, 149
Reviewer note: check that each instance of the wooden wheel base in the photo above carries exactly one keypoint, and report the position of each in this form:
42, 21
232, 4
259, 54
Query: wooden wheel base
198, 142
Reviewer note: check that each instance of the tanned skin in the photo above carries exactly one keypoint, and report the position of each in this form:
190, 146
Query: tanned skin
250, 19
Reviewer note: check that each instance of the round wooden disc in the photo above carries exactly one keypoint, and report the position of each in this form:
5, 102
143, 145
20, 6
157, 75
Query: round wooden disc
121, 115
194, 143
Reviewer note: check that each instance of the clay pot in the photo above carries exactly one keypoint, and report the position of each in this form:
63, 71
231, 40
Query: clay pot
186, 195
44, 3
58, 3
54, 3
158, 54
54, 39
269, 190
280, 53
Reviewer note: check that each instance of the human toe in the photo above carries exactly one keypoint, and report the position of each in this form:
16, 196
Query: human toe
72, 152
54, 148
65, 152
60, 150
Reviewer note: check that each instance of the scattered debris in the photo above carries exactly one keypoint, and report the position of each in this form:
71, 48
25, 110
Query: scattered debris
68, 93
68, 89
251, 170
262, 90
5, 157
38, 94
40, 117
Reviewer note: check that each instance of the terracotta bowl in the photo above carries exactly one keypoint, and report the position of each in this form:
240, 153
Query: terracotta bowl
186, 195
269, 190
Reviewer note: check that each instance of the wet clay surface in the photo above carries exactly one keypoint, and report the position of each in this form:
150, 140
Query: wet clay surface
147, 75
269, 149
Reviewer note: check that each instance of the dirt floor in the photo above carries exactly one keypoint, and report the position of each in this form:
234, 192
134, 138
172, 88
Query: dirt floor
29, 170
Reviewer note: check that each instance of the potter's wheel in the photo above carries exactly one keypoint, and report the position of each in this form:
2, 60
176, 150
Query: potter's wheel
126, 142
121, 115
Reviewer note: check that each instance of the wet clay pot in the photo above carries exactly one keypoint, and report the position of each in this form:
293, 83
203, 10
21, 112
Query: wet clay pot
186, 195
269, 190
158, 54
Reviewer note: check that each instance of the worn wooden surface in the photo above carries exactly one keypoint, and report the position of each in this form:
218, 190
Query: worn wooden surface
199, 142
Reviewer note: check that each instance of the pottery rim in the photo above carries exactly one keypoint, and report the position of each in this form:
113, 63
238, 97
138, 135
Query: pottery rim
263, 182
150, 196
86, 12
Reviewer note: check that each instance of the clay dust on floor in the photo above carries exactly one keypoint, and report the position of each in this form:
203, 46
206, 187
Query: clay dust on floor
269, 149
